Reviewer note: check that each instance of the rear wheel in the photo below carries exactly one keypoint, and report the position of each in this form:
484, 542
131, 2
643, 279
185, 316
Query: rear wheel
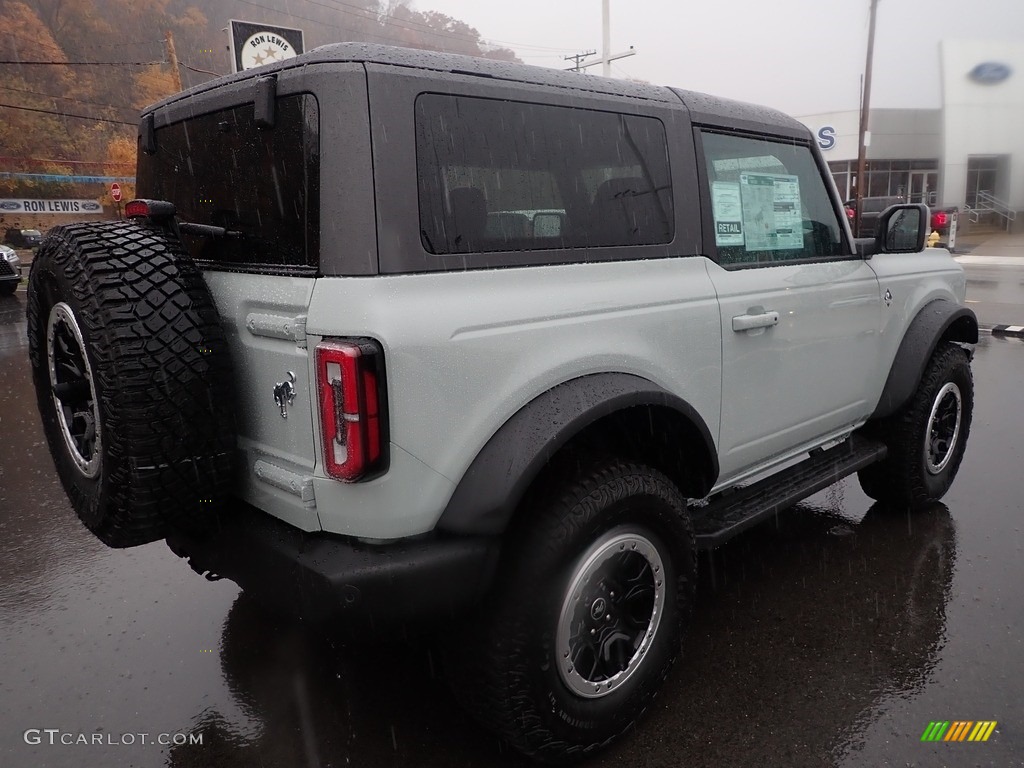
928, 437
131, 372
586, 620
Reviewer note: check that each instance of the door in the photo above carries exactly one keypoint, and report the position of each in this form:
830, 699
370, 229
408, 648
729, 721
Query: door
800, 315
918, 191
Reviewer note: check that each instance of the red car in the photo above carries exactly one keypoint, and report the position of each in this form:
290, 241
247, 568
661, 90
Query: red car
941, 220
873, 206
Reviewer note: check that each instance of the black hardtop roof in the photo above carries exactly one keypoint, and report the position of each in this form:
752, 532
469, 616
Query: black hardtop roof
704, 108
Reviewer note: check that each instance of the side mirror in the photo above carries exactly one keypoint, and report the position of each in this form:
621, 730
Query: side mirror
547, 224
902, 229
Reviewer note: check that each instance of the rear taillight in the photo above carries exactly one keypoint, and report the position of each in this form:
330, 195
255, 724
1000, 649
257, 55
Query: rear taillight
155, 210
850, 214
350, 382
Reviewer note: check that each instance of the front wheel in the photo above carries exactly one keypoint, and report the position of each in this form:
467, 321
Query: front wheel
586, 620
927, 439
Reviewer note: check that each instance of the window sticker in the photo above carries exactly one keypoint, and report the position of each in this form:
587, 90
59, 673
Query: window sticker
759, 163
727, 209
772, 219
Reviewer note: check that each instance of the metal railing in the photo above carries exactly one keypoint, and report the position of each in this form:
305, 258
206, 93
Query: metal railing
985, 202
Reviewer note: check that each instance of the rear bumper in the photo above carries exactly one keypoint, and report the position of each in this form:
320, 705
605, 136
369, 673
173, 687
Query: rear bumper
324, 577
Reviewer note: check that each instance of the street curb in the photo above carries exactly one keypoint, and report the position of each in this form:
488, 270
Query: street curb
1008, 330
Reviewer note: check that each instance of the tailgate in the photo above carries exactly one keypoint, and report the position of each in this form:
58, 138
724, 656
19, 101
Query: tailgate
265, 317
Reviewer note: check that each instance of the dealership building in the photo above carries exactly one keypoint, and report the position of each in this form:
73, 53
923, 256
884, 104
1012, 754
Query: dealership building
968, 153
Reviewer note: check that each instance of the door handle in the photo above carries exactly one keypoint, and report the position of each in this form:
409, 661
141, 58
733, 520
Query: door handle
747, 322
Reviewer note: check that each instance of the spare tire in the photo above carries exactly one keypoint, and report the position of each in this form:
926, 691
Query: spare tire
133, 379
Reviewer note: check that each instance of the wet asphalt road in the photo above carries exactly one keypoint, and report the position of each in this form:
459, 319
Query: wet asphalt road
995, 288
831, 637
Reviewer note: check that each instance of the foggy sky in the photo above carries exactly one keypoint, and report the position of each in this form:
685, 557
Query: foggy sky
801, 56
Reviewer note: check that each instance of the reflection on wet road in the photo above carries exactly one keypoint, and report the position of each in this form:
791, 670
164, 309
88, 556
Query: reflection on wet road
830, 637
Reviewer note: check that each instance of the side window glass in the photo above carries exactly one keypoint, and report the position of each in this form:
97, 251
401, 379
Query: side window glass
768, 201
514, 176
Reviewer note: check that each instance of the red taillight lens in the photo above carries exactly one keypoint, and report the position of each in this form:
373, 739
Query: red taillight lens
149, 209
350, 382
850, 214
136, 209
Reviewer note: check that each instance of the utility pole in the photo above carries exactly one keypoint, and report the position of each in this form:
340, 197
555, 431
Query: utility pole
865, 106
173, 58
606, 38
578, 57
606, 44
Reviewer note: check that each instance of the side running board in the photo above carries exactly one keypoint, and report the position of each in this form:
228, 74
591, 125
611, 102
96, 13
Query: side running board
737, 511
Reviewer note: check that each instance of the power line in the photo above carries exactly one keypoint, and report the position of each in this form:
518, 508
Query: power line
118, 45
196, 69
82, 63
68, 114
64, 98
57, 161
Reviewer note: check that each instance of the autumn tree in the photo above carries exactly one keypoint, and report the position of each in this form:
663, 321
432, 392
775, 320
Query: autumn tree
120, 161
33, 124
77, 113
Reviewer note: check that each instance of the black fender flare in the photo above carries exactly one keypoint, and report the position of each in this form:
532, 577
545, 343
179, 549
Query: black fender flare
488, 494
938, 320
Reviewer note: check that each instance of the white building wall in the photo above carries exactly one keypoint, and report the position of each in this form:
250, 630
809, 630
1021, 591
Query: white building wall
841, 126
896, 134
981, 119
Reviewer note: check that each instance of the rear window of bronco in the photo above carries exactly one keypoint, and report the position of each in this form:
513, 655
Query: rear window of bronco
263, 184
514, 176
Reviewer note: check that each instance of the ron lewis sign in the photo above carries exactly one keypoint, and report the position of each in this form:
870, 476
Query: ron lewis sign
254, 44
22, 205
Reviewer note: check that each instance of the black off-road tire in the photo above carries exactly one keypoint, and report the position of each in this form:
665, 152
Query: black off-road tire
8, 288
506, 666
904, 479
149, 379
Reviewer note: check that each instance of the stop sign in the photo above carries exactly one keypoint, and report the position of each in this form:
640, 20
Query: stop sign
115, 192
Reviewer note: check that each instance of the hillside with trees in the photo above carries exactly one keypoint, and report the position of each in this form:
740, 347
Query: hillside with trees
75, 73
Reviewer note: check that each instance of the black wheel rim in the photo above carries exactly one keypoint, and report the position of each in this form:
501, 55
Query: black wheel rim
73, 390
610, 613
943, 428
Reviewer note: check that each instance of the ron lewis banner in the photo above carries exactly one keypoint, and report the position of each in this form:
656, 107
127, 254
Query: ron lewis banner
50, 206
254, 44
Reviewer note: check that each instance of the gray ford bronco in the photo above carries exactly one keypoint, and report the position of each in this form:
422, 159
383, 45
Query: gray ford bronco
396, 335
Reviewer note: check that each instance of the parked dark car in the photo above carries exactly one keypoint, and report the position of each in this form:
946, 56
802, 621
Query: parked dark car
10, 271
871, 208
23, 238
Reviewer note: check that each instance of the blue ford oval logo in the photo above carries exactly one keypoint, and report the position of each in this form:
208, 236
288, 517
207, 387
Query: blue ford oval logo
91, 207
990, 72
10, 206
